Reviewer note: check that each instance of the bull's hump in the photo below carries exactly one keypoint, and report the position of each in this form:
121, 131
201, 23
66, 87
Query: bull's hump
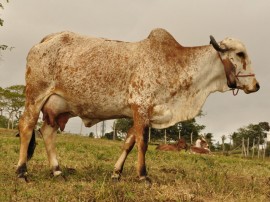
163, 37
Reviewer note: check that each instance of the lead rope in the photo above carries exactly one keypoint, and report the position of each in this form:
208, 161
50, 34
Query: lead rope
237, 77
235, 93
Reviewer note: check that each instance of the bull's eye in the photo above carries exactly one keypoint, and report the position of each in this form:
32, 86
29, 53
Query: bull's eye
241, 54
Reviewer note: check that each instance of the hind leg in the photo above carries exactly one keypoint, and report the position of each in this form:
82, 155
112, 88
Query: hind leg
49, 135
26, 126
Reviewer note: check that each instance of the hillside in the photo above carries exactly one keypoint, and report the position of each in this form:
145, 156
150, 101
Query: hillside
88, 163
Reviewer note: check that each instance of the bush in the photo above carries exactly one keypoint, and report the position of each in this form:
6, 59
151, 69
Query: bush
3, 122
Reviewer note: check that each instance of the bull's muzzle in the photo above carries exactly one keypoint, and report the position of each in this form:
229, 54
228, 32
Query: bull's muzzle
252, 90
257, 86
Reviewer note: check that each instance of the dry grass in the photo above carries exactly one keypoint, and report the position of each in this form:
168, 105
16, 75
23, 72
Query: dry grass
87, 165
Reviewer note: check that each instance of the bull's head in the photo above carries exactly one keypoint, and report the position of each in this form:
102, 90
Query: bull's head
237, 64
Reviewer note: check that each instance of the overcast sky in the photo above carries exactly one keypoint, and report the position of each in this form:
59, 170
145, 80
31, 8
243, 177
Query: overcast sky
189, 21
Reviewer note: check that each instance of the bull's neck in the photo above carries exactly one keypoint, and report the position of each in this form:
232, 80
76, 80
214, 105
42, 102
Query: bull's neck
208, 70
208, 76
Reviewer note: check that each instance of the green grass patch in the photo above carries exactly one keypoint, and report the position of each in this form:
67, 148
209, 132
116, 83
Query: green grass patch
87, 165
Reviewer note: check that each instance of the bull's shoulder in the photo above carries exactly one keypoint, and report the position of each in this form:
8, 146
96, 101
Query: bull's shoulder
161, 37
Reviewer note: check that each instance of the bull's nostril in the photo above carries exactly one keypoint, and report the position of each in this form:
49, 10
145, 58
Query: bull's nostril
257, 86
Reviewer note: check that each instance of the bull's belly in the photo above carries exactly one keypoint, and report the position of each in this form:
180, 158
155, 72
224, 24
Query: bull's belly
92, 116
57, 110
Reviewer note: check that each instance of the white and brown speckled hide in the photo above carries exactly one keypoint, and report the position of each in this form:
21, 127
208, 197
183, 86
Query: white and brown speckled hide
155, 81
100, 79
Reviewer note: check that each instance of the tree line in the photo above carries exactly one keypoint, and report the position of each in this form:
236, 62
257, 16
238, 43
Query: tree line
255, 133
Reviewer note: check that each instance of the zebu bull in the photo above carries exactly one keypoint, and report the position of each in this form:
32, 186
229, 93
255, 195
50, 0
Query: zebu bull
156, 81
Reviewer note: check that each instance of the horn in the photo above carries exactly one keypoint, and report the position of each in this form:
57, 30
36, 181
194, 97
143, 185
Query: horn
216, 46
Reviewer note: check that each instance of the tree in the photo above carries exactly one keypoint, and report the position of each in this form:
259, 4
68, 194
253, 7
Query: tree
3, 47
218, 146
12, 100
223, 138
264, 126
1, 20
188, 127
122, 126
3, 103
15, 102
209, 138
252, 131
3, 122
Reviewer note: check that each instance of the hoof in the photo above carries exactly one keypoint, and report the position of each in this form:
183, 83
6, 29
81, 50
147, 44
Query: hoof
56, 171
22, 175
21, 171
57, 174
115, 177
147, 181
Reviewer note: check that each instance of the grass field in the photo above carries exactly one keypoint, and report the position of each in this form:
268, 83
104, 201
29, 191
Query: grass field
87, 165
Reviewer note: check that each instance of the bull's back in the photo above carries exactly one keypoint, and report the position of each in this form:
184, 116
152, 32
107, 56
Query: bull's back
78, 68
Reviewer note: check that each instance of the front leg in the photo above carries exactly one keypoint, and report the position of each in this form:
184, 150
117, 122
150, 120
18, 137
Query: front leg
142, 145
141, 122
139, 134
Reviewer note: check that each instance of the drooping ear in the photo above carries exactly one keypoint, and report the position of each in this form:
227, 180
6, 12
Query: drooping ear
230, 72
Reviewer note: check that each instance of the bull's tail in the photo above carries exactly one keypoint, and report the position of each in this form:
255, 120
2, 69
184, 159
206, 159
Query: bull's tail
32, 146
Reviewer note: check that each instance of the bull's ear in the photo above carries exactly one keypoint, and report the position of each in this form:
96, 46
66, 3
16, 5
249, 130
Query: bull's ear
230, 73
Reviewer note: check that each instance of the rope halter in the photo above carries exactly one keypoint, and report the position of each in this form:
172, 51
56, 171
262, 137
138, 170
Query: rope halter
223, 50
237, 76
